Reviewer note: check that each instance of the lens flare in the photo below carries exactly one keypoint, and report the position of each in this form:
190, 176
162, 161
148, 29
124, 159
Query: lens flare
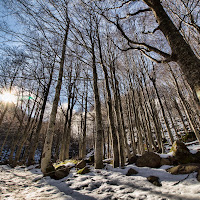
8, 97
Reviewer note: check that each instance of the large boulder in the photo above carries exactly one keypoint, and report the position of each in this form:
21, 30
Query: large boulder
165, 161
133, 159
184, 168
149, 159
61, 172
181, 153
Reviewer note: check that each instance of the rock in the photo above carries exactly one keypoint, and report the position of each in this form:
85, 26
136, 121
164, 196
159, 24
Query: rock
133, 159
81, 164
154, 180
173, 161
165, 161
50, 170
196, 157
85, 170
61, 172
149, 159
131, 171
181, 153
198, 175
184, 168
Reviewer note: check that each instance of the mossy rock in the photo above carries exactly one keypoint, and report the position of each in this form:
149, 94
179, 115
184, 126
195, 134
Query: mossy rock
85, 170
184, 168
58, 164
181, 153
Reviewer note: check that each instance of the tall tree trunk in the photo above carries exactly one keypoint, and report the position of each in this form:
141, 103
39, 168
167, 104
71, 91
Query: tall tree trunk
130, 123
8, 131
3, 113
46, 155
154, 116
181, 115
113, 131
35, 139
123, 127
85, 124
118, 117
186, 107
141, 149
170, 116
98, 115
163, 112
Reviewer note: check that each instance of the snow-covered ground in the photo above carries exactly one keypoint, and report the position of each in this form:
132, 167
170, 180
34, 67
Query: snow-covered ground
22, 183
26, 183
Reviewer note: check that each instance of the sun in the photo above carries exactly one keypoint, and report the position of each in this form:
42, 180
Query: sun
8, 97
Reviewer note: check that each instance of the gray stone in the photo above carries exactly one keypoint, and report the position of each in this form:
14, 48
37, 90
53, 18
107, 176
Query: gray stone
154, 180
149, 159
61, 172
133, 159
165, 161
131, 171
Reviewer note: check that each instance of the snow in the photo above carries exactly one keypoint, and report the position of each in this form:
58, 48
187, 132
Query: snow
28, 183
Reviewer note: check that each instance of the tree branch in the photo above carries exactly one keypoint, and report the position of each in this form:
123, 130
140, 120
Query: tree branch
136, 13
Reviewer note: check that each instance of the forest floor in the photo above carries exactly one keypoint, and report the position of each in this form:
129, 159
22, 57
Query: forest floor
28, 183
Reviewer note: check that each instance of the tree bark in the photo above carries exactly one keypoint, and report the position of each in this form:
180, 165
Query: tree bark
46, 155
35, 139
99, 127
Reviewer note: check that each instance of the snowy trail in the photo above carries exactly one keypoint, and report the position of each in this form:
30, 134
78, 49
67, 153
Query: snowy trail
23, 183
